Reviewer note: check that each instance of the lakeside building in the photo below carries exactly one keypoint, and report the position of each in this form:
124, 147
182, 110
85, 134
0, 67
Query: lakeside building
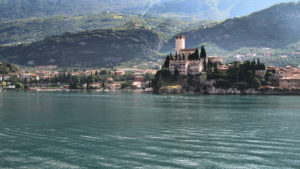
181, 60
290, 82
184, 64
285, 78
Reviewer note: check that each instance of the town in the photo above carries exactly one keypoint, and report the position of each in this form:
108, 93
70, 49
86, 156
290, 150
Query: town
48, 78
211, 71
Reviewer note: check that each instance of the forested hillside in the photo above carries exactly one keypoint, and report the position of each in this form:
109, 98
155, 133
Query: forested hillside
34, 29
271, 34
18, 9
103, 48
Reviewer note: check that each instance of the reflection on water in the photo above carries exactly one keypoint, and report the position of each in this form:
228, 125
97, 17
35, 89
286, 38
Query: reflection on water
125, 130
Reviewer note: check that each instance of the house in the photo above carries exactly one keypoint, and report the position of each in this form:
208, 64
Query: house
290, 82
110, 79
118, 72
215, 59
150, 71
223, 68
138, 78
30, 76
95, 85
137, 85
115, 86
43, 73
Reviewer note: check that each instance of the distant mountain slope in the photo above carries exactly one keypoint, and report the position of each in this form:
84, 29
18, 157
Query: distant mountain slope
202, 9
210, 9
274, 27
34, 29
95, 48
16, 9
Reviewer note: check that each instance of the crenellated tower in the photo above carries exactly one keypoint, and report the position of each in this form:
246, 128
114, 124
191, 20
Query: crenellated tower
180, 43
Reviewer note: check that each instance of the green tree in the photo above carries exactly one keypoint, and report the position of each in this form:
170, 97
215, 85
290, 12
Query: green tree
203, 56
203, 53
167, 62
126, 84
3, 84
103, 72
197, 56
256, 83
19, 85
176, 74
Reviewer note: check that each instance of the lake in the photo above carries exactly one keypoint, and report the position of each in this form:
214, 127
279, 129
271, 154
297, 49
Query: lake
128, 130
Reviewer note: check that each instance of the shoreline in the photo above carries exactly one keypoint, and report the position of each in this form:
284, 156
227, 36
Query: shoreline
256, 93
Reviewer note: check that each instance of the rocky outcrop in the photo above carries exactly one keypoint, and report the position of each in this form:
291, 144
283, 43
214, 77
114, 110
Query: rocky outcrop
171, 90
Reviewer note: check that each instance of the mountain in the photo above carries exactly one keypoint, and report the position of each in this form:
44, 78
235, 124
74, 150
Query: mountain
210, 9
201, 9
18, 9
87, 49
35, 29
274, 27
273, 31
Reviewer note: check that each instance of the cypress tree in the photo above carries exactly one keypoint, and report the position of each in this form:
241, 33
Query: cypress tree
203, 53
197, 54
167, 62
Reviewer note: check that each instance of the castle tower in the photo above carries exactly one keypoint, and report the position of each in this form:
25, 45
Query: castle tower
180, 43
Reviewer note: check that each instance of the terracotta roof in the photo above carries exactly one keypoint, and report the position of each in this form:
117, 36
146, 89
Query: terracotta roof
293, 77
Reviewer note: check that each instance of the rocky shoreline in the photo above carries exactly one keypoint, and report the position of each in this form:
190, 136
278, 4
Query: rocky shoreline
219, 91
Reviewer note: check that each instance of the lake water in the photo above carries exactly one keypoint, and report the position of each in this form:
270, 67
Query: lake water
126, 130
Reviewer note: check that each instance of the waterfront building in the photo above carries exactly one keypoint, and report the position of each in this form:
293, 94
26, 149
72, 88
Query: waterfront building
182, 61
290, 82
215, 59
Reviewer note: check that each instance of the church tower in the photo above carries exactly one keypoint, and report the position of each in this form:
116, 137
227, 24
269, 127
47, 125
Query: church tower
180, 43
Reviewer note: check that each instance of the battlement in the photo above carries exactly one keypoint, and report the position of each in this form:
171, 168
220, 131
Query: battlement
180, 37
188, 50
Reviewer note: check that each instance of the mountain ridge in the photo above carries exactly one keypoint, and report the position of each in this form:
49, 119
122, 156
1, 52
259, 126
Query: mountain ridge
274, 27
217, 9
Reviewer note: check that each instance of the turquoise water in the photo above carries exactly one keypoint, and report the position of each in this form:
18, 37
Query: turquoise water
125, 130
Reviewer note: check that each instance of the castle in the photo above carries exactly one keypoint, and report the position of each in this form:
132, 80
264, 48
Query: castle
186, 61
181, 60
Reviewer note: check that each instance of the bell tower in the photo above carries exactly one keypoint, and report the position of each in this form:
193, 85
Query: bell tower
180, 43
